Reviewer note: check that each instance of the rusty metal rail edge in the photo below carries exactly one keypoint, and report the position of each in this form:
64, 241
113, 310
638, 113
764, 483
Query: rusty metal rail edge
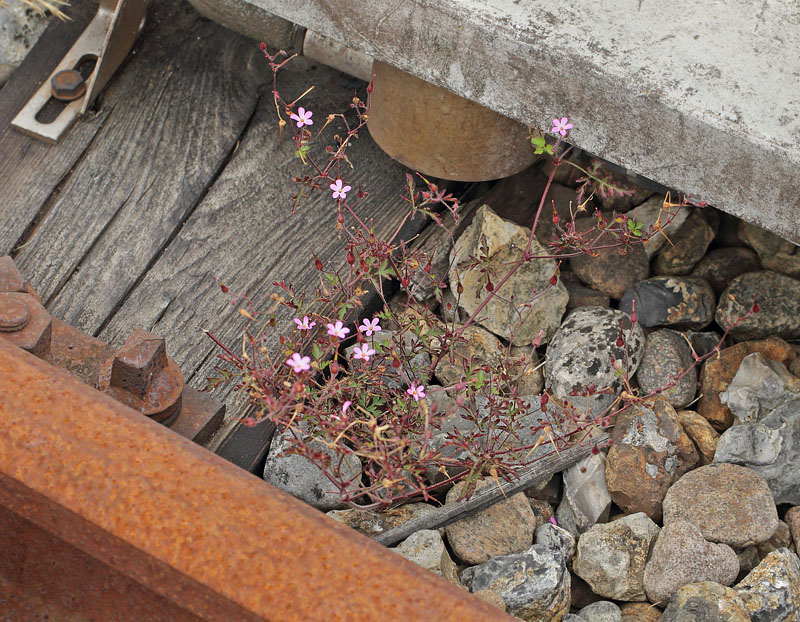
187, 525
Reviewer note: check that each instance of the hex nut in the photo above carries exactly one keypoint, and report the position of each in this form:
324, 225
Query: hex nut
68, 85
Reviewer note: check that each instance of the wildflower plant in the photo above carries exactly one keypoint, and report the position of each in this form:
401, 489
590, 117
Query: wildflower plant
364, 384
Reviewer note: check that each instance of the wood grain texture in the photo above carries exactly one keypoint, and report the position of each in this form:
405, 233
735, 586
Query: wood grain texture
244, 235
30, 169
175, 113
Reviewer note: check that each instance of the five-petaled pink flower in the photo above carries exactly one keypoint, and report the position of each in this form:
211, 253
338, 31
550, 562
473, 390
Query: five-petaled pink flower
339, 191
304, 324
303, 117
369, 326
338, 330
417, 392
299, 363
561, 126
363, 352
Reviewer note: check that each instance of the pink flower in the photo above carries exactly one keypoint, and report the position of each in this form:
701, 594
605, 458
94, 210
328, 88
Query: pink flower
338, 330
553, 520
345, 406
417, 392
299, 363
369, 326
339, 191
561, 126
363, 352
304, 324
303, 117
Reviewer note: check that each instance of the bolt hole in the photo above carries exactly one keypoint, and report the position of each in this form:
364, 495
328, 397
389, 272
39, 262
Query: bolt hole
86, 66
54, 107
50, 111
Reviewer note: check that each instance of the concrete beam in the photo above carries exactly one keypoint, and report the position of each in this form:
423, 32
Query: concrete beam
700, 97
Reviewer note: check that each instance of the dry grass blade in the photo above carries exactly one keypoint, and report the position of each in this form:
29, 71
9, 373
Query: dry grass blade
43, 6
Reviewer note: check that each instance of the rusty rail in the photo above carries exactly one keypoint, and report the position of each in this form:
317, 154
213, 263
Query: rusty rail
152, 522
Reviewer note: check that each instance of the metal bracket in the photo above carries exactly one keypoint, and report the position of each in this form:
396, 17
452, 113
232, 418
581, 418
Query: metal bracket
108, 38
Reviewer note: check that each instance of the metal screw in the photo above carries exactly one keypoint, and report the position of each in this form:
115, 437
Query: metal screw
142, 376
68, 85
14, 314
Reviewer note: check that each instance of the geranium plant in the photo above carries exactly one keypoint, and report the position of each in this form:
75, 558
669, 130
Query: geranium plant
348, 384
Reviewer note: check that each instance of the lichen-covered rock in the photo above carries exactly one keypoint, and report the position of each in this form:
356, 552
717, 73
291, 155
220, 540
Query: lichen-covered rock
610, 270
479, 348
677, 302
581, 350
534, 584
426, 548
719, 370
504, 528
668, 358
722, 265
507, 315
703, 436
301, 478
373, 523
706, 601
728, 503
681, 555
557, 538
763, 242
649, 452
771, 592
785, 263
778, 299
770, 448
585, 492
760, 386
611, 556
600, 611
688, 246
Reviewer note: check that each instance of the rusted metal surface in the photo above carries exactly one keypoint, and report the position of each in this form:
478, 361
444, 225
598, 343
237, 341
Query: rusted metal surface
187, 525
68, 85
44, 578
439, 133
162, 396
143, 377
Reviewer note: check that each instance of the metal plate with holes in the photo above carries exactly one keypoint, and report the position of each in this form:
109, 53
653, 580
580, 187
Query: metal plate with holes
108, 38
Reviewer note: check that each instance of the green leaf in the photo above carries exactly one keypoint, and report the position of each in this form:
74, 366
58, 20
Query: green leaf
635, 227
301, 152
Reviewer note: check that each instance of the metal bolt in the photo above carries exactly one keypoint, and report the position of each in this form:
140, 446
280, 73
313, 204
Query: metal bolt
25, 323
14, 314
142, 376
68, 85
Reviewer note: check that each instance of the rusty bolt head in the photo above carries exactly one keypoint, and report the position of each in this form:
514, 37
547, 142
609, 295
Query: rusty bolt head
14, 314
68, 85
142, 376
35, 332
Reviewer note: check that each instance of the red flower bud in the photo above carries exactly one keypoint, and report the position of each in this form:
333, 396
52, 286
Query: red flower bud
756, 308
405, 281
351, 259
224, 289
633, 311
317, 263
459, 288
553, 280
489, 286
334, 368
